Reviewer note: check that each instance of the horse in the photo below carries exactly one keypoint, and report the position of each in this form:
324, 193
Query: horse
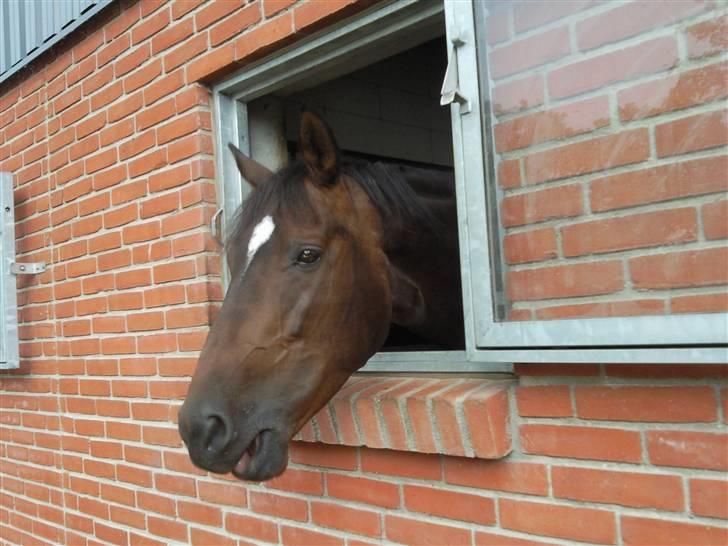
327, 255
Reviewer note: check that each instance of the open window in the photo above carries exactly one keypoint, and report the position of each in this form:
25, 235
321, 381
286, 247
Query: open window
554, 108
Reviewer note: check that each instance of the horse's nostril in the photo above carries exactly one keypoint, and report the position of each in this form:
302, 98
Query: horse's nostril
216, 434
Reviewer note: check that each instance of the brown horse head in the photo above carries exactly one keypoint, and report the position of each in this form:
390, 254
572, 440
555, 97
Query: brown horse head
311, 299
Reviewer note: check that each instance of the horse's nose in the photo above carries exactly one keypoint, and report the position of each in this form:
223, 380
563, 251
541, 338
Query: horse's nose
216, 433
207, 433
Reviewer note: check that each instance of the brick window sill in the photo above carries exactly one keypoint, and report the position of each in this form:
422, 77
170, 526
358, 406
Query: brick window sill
466, 417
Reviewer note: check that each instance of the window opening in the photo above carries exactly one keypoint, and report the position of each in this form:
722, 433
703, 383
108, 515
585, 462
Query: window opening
386, 112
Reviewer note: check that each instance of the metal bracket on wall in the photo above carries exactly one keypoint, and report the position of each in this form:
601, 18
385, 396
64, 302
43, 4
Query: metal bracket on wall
28, 268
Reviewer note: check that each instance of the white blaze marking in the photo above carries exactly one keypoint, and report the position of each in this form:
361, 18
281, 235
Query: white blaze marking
261, 234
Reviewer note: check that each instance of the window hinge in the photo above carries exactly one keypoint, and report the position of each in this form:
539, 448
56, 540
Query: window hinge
27, 268
450, 92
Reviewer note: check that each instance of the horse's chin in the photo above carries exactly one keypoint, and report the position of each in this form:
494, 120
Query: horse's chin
266, 457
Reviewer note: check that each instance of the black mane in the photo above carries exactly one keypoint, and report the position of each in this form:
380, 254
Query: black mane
398, 204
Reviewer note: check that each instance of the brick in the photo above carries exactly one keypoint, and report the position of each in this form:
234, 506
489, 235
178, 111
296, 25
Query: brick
181, 8
310, 17
299, 481
652, 404
661, 228
628, 63
581, 442
150, 26
364, 490
529, 52
709, 303
275, 505
715, 220
275, 33
296, 536
497, 27
639, 530
233, 494
509, 174
163, 87
165, 39
494, 539
514, 477
126, 107
188, 50
537, 13
182, 126
707, 38
564, 281
657, 184
544, 401
680, 269
235, 25
214, 12
584, 524
211, 64
676, 92
167, 528
637, 490
148, 163
155, 114
541, 205
411, 531
691, 134
709, 498
169, 179
633, 19
251, 527
199, 513
530, 246
588, 156
688, 449
625, 308
450, 504
142, 76
347, 519
560, 122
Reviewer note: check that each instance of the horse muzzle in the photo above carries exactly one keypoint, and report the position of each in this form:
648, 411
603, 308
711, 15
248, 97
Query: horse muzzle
219, 444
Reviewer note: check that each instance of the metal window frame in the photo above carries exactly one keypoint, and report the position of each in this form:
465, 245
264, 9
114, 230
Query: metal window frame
650, 339
9, 355
374, 34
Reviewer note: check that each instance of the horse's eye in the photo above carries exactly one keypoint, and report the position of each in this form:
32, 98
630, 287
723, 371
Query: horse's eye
308, 256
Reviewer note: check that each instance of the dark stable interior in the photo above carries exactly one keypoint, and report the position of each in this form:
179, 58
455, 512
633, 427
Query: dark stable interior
399, 95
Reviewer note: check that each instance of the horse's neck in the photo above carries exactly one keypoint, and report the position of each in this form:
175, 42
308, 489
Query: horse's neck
431, 258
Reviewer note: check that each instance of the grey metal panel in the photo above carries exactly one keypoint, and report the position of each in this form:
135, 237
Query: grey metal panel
32, 36
4, 38
30, 27
14, 31
9, 357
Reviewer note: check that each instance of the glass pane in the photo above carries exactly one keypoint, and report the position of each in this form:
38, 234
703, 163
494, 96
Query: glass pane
606, 132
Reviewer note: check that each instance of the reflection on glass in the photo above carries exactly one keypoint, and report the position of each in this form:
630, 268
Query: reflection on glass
609, 134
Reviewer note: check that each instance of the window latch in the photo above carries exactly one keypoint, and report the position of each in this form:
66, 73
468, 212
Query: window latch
216, 225
450, 92
27, 268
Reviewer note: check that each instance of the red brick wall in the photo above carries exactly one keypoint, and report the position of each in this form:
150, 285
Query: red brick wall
109, 141
610, 129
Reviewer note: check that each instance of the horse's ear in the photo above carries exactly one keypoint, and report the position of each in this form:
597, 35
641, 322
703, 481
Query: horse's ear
320, 152
408, 305
253, 172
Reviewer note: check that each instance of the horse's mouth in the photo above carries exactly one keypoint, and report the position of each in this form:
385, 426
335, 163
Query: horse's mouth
265, 457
